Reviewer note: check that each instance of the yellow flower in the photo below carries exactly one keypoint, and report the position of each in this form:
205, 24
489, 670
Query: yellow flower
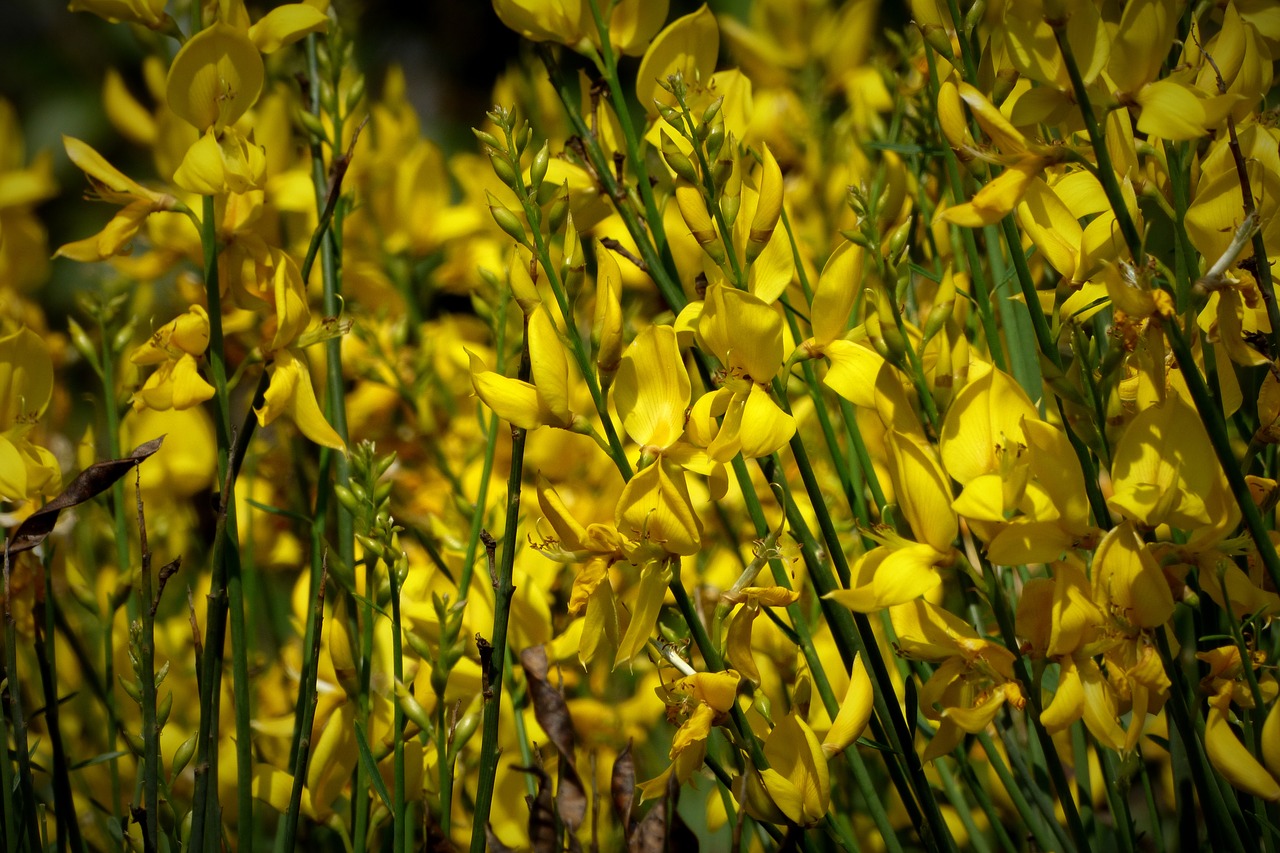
797, 779
148, 13
688, 45
26, 386
902, 570
290, 392
974, 678
651, 390
545, 401
109, 184
177, 384
745, 334
632, 23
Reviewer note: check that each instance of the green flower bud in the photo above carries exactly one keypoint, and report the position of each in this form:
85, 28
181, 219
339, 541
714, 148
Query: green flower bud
538, 171
507, 221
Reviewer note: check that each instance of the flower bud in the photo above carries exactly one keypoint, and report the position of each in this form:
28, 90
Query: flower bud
83, 343
412, 708
694, 212
768, 208
462, 732
679, 163
487, 138
538, 171
938, 39
165, 708
503, 169
507, 221
182, 755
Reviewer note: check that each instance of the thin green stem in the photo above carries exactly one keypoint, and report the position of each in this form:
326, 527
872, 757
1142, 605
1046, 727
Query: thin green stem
307, 697
1211, 417
147, 684
1106, 174
609, 70
1222, 826
977, 274
502, 595
226, 567
399, 807
112, 406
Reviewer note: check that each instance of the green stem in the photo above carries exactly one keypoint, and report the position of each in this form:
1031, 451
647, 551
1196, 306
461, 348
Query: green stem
400, 818
576, 344
306, 720
632, 140
657, 264
817, 667
1106, 173
112, 406
147, 685
12, 698
504, 590
1211, 416
1222, 826
226, 574
977, 274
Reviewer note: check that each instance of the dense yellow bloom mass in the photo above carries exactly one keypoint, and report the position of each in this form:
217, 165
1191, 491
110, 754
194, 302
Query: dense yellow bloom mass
772, 430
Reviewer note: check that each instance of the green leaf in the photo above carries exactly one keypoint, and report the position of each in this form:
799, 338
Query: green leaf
371, 767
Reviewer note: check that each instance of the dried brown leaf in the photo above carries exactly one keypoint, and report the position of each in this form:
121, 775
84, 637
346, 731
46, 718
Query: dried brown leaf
622, 787
553, 716
92, 481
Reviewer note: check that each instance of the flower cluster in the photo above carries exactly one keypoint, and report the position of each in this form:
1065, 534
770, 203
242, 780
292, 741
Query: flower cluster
869, 434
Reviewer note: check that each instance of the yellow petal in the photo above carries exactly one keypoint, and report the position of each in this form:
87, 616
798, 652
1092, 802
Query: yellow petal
26, 378
1271, 740
768, 206
743, 332
998, 198
652, 388
651, 589
1141, 43
1050, 225
1067, 704
690, 45
286, 24
855, 711
797, 759
923, 492
107, 179
634, 22
608, 314
510, 399
134, 121
215, 78
654, 509
290, 392
549, 366
837, 290
1232, 758
1176, 112
1073, 614
1127, 578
